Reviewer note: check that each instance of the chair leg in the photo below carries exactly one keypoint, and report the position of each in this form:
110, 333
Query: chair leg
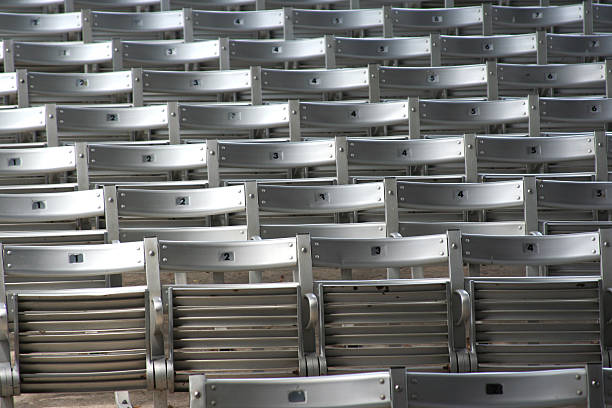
122, 399
6, 402
160, 399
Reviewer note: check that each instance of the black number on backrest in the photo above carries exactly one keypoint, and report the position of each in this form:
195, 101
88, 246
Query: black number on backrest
376, 250
297, 396
14, 161
182, 200
460, 194
75, 258
275, 155
529, 247
226, 256
39, 205
494, 389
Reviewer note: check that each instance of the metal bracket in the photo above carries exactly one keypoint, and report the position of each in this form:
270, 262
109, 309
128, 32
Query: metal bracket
122, 399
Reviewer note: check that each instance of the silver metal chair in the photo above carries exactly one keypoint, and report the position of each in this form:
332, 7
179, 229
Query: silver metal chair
527, 310
82, 340
373, 325
265, 316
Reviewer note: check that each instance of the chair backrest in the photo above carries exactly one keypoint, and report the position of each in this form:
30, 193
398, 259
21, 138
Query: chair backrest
8, 83
185, 84
40, 24
466, 113
379, 252
490, 47
146, 158
343, 115
334, 21
59, 54
557, 76
576, 195
318, 199
460, 196
589, 112
535, 18
16, 163
112, 119
435, 19
164, 53
14, 121
311, 81
233, 116
78, 87
367, 389
550, 388
579, 45
531, 249
271, 52
267, 155
163, 212
535, 149
237, 22
424, 78
376, 50
45, 207
405, 152
106, 24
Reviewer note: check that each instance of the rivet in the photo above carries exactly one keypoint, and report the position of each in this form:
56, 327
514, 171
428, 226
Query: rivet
381, 380
211, 152
579, 392
151, 253
304, 250
81, 155
251, 195
213, 403
111, 199
454, 246
341, 149
197, 394
606, 244
212, 387
578, 376
594, 383
383, 397
9, 252
397, 388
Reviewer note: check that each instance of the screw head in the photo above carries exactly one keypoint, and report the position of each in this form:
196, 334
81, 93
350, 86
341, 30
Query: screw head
197, 395
151, 253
